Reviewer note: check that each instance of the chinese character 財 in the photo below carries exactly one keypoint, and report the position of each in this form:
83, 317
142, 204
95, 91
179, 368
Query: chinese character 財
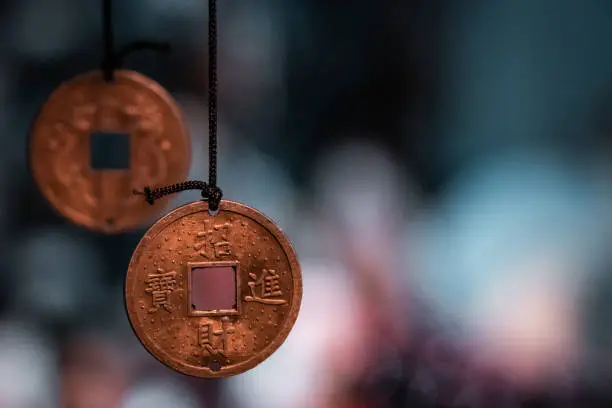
208, 248
269, 284
160, 286
215, 342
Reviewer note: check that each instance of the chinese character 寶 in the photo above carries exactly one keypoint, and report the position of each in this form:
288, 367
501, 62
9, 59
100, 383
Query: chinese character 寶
160, 286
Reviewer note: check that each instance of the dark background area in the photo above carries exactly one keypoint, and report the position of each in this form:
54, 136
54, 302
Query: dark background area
453, 154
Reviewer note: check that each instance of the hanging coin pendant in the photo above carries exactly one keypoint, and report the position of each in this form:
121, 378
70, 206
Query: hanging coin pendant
94, 142
213, 296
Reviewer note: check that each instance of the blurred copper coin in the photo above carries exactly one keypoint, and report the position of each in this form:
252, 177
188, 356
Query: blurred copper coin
93, 142
213, 296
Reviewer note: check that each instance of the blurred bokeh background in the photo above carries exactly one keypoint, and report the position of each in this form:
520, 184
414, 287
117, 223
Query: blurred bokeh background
442, 167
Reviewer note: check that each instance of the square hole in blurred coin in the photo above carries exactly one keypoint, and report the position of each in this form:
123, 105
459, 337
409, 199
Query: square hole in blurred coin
110, 151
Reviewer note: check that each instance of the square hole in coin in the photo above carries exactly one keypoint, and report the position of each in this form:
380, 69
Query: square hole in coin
110, 151
214, 289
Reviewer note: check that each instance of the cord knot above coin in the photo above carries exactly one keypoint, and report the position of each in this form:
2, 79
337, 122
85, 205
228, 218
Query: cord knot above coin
214, 195
211, 193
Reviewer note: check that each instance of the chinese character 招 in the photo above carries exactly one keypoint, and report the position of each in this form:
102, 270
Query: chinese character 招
270, 291
208, 248
215, 342
160, 286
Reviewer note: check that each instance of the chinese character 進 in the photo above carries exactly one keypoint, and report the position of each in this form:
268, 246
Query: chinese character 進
160, 287
208, 248
215, 342
269, 282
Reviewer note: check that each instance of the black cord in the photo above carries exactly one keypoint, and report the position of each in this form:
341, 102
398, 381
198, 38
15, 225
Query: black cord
212, 92
112, 60
212, 194
210, 191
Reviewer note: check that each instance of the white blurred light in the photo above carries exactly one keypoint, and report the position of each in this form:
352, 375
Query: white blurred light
359, 183
160, 394
364, 203
362, 197
298, 374
529, 322
506, 212
510, 249
28, 368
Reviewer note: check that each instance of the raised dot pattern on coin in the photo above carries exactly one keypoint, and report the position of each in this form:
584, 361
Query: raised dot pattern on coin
60, 149
213, 343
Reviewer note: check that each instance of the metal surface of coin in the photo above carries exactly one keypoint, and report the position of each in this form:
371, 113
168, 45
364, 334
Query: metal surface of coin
84, 117
181, 267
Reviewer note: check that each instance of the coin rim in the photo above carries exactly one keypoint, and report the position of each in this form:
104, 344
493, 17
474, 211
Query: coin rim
96, 75
282, 334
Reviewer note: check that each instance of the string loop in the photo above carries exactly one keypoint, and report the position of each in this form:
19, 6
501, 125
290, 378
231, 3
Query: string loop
210, 191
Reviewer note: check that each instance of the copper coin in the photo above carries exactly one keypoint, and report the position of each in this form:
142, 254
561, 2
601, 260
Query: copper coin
213, 295
134, 109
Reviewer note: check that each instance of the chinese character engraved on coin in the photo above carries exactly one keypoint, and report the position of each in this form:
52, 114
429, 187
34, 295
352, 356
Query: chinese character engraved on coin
207, 336
160, 286
210, 248
269, 283
94, 142
225, 293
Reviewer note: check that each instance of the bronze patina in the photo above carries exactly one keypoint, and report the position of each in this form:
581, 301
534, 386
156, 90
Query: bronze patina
60, 149
233, 337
